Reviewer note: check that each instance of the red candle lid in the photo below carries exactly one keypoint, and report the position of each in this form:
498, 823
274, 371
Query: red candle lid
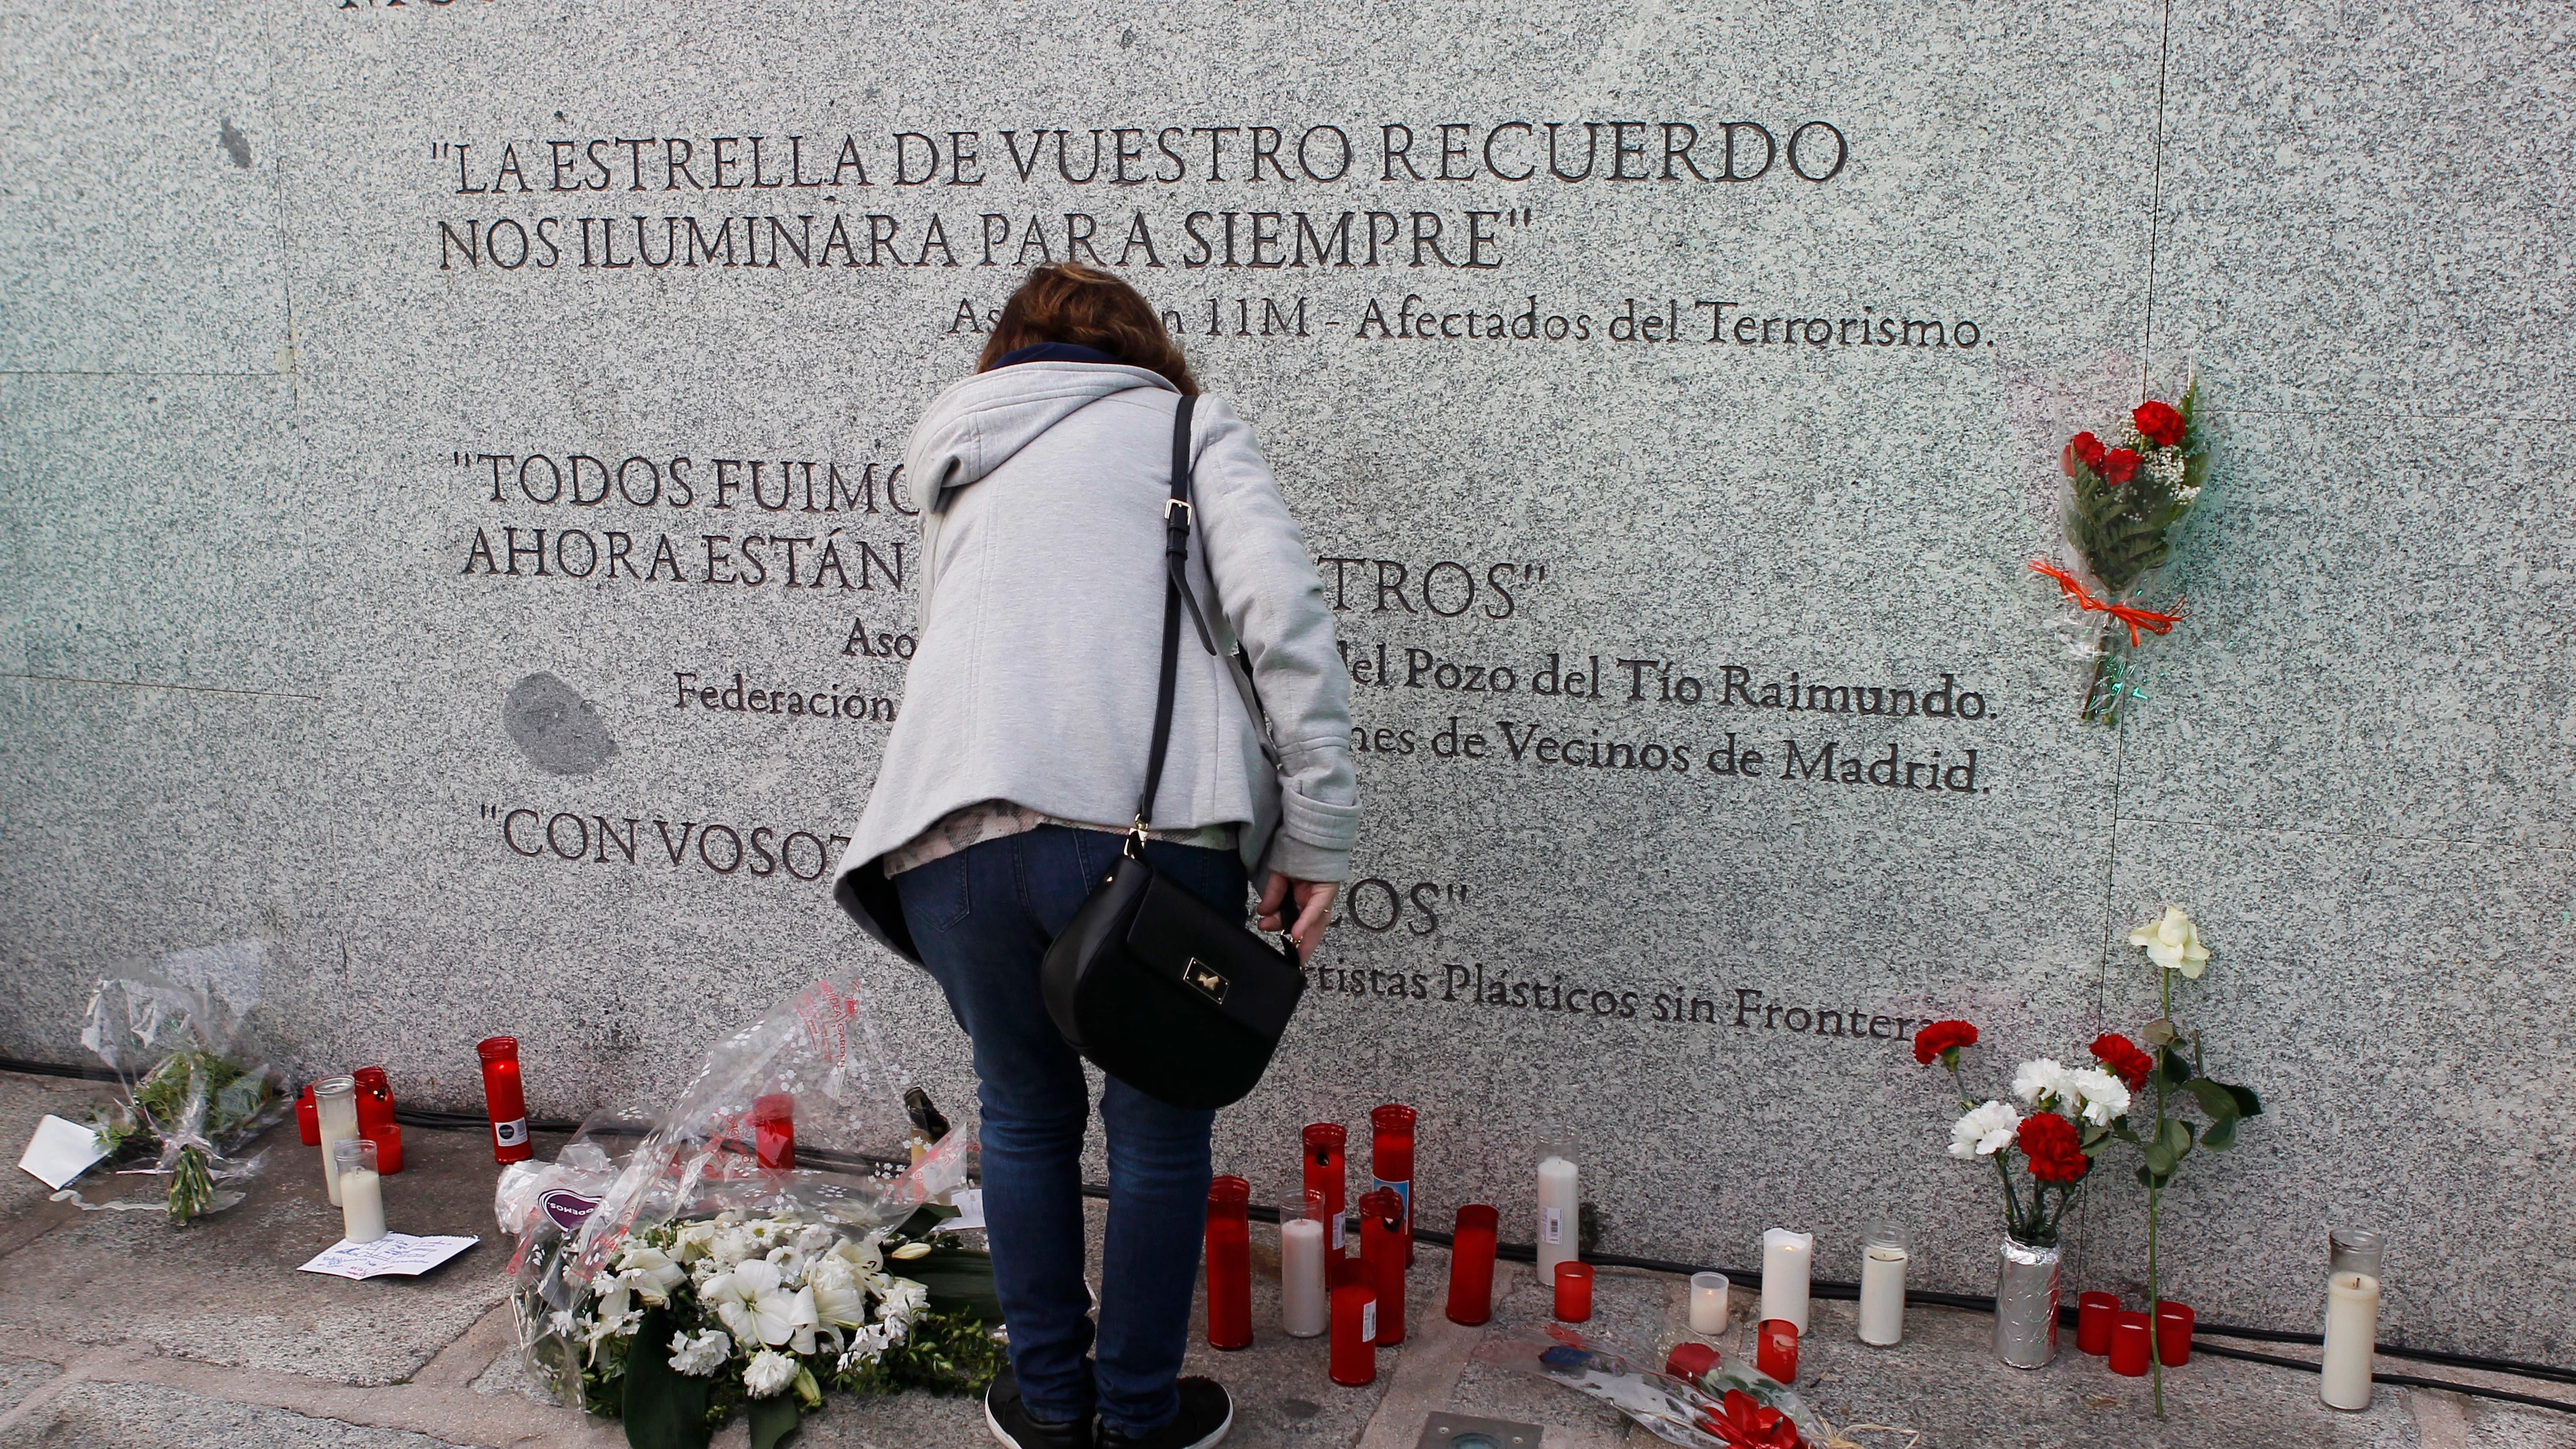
1326, 1134
498, 1048
1392, 1118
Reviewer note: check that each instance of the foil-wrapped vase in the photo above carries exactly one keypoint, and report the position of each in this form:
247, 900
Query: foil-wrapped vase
2026, 1305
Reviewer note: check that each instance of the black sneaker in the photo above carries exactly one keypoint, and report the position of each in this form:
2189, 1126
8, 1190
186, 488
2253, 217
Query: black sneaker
1207, 1411
1012, 1424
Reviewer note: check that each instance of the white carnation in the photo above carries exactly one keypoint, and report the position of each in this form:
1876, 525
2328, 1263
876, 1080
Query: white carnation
1984, 1131
2104, 1096
701, 1354
769, 1373
2035, 1080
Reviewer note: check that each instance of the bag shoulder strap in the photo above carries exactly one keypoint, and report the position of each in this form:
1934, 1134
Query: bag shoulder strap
1176, 554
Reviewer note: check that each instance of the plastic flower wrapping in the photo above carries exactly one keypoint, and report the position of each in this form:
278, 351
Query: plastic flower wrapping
772, 1234
195, 1092
1727, 1407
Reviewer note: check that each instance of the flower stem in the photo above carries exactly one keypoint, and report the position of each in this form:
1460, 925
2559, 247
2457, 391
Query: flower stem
2155, 1200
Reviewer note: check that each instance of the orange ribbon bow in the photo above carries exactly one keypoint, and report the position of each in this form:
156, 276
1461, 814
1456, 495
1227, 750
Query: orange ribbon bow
2137, 619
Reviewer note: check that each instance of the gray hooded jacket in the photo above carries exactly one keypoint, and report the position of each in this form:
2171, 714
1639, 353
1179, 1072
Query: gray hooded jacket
1042, 593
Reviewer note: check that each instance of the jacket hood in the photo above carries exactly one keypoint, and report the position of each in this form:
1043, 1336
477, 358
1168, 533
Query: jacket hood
978, 424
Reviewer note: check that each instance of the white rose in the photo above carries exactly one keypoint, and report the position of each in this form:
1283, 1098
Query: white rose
769, 1373
2173, 943
1984, 1131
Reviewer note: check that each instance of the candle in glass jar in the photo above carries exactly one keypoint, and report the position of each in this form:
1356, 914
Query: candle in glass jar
1382, 1239
1786, 1257
362, 1199
505, 1099
1326, 1174
2352, 1332
335, 1108
1559, 1209
1471, 1265
1391, 1162
1708, 1304
1229, 1263
1882, 1284
1302, 1306
1354, 1350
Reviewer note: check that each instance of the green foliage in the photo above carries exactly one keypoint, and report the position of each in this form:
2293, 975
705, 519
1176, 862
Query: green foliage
773, 1419
2124, 529
663, 1408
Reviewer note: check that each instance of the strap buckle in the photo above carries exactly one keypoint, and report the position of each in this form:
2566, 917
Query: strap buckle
1134, 849
1182, 504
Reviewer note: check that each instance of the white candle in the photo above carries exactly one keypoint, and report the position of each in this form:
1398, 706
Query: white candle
1302, 1305
1785, 1257
335, 1107
1882, 1294
362, 1205
1559, 1214
1708, 1304
2352, 1332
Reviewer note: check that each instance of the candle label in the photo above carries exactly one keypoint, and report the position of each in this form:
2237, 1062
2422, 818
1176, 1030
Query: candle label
1551, 1225
510, 1134
1368, 1322
1403, 1190
1337, 1233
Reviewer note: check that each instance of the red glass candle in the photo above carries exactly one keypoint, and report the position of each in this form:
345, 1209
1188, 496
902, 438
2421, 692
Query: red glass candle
1382, 1244
2173, 1333
1354, 1360
2093, 1315
1776, 1349
1229, 1263
2129, 1344
308, 1121
376, 1118
1573, 1292
1471, 1265
1341, 1268
504, 1100
1391, 1160
1325, 1142
773, 1129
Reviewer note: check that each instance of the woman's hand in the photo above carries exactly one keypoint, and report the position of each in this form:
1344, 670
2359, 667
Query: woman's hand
1314, 910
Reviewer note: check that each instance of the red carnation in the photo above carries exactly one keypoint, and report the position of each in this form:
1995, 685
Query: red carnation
2121, 1057
2055, 1154
2158, 424
1941, 1038
2088, 450
2118, 465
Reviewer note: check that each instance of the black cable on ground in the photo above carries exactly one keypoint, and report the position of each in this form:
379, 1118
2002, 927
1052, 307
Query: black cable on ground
1526, 1253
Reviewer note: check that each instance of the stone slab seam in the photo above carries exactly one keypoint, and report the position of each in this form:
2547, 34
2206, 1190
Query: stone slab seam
1435, 1353
447, 1409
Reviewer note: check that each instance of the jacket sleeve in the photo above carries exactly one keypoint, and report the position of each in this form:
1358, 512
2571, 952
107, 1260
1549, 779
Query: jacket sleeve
1268, 590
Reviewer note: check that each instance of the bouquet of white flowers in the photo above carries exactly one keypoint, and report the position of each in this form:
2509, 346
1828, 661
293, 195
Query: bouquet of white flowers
760, 1312
770, 1235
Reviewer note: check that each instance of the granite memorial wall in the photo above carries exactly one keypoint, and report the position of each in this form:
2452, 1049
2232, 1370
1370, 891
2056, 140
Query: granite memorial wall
460, 568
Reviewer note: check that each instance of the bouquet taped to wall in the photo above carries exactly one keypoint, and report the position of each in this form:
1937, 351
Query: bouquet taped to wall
2123, 502
774, 1232
195, 1092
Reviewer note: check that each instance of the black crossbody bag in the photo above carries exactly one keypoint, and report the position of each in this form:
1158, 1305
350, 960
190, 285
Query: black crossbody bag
1153, 985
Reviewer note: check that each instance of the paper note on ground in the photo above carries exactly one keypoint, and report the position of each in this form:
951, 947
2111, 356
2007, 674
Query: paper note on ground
60, 1151
969, 1202
394, 1253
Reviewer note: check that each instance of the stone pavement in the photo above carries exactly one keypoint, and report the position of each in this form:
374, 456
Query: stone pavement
119, 1331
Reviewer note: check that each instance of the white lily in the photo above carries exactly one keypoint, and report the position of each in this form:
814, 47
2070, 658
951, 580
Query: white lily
650, 1273
2173, 943
837, 1296
750, 1302
802, 1318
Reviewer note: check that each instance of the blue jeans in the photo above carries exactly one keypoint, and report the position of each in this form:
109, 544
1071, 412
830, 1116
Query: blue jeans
982, 920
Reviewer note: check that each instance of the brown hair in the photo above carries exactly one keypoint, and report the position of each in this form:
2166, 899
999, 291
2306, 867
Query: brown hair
1068, 302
